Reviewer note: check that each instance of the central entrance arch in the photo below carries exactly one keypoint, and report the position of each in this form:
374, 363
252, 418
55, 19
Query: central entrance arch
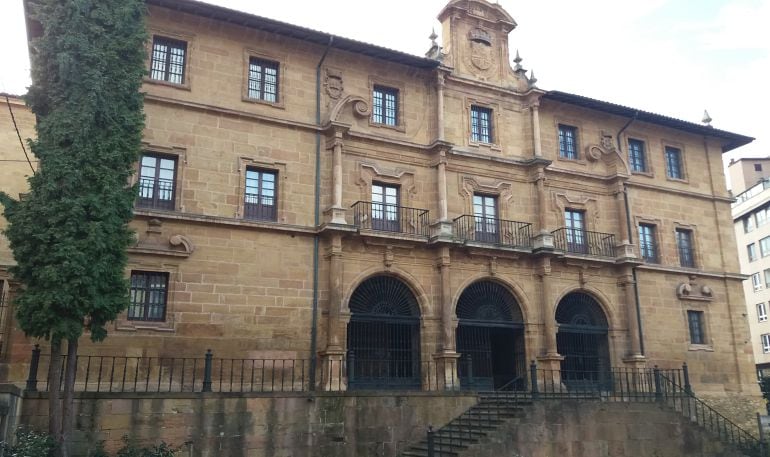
490, 338
582, 341
383, 336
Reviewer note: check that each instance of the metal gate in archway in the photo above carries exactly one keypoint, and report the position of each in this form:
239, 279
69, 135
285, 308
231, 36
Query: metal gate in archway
383, 336
582, 341
490, 338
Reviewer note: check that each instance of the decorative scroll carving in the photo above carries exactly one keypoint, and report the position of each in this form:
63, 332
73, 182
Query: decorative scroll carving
360, 107
607, 152
154, 243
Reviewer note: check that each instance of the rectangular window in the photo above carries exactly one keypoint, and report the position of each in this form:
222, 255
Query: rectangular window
148, 296
767, 278
756, 282
385, 105
748, 224
752, 252
575, 231
685, 247
260, 199
766, 343
263, 79
761, 312
636, 157
764, 246
757, 167
568, 147
385, 214
647, 246
168, 60
157, 182
761, 216
486, 223
674, 163
481, 124
697, 331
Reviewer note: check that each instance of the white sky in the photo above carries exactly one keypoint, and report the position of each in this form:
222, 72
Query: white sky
673, 57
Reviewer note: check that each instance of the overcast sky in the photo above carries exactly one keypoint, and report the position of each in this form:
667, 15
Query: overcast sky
673, 57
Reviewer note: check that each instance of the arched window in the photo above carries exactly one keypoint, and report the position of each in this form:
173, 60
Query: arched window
582, 341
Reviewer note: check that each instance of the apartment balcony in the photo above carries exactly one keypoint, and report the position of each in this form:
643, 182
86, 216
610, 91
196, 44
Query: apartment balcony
584, 242
492, 231
391, 219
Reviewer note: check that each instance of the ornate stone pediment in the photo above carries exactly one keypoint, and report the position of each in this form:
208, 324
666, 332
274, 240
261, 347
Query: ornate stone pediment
155, 243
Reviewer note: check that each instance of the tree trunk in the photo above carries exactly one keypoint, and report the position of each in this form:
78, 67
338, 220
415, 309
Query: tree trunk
68, 403
54, 405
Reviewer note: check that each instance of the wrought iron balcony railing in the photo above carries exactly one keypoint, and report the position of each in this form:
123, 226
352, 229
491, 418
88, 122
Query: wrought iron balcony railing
686, 257
384, 217
584, 242
493, 231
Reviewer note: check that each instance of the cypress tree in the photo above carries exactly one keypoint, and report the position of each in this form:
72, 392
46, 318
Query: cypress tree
70, 233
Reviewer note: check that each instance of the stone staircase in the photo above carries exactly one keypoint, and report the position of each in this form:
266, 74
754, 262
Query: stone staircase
474, 425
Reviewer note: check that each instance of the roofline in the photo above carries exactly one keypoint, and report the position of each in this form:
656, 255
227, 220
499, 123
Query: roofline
220, 13
730, 140
753, 159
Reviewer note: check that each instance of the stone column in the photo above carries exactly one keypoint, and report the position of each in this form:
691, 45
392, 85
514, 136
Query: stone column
549, 358
635, 358
536, 129
336, 212
440, 84
446, 358
443, 226
333, 375
625, 249
543, 239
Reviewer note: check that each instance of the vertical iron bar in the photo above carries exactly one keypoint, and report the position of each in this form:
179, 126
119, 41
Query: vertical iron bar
207, 372
33, 366
533, 376
431, 441
658, 391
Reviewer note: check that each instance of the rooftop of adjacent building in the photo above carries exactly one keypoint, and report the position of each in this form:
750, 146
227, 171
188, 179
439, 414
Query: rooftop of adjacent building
752, 198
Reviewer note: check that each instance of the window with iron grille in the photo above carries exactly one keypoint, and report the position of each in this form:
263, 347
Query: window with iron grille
263, 79
762, 312
647, 245
157, 181
636, 156
756, 281
685, 247
260, 198
757, 167
148, 296
674, 163
697, 329
168, 60
385, 105
766, 343
481, 124
751, 250
568, 147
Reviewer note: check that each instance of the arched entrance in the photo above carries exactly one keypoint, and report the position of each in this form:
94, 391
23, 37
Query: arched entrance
490, 338
582, 341
383, 336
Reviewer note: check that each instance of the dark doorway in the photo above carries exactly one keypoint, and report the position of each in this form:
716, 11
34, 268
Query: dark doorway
383, 336
582, 341
490, 338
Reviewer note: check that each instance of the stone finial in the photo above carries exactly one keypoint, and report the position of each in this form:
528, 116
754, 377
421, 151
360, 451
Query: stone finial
435, 50
706, 118
532, 79
433, 37
517, 60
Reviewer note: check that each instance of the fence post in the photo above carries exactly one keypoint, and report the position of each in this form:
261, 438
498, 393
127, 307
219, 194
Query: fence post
658, 386
207, 371
33, 365
431, 441
686, 374
351, 367
533, 379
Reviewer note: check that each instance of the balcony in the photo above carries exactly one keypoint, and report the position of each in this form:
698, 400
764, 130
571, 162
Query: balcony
488, 230
384, 217
583, 242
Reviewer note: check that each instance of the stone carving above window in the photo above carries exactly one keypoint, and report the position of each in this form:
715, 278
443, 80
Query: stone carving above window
368, 172
693, 291
607, 152
155, 243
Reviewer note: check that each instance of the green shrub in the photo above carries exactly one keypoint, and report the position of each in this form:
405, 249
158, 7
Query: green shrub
29, 443
131, 449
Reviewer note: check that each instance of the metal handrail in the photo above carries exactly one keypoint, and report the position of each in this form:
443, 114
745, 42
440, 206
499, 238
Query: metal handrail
491, 230
386, 217
580, 241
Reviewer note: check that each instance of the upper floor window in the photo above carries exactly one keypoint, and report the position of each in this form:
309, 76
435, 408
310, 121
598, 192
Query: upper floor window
647, 245
575, 230
697, 330
766, 343
486, 223
385, 105
260, 199
762, 312
674, 163
756, 282
148, 296
685, 247
751, 250
767, 278
157, 178
764, 246
263, 79
757, 167
636, 156
748, 223
385, 209
568, 147
481, 124
761, 216
168, 60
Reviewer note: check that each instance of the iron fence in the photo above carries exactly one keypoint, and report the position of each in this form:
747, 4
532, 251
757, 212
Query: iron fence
493, 231
584, 242
386, 217
4, 313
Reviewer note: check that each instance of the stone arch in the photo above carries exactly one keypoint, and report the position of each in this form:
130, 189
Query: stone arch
418, 291
601, 299
515, 290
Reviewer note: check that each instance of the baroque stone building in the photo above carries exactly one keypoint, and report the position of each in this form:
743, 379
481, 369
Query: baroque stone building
308, 196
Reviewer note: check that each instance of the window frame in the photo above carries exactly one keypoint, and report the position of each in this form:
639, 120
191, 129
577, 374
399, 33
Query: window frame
749, 223
767, 277
648, 243
641, 160
764, 246
756, 282
697, 332
690, 236
761, 312
486, 227
140, 201
764, 340
146, 305
668, 151
564, 153
751, 252
259, 208
265, 63
476, 137
169, 40
384, 91
385, 216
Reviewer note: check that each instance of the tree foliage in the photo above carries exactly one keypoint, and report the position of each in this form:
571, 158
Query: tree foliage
70, 233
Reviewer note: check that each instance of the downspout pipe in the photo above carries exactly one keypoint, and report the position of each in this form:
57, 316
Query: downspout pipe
317, 218
630, 237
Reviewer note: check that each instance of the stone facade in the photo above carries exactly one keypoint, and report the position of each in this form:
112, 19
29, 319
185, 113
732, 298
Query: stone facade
466, 127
